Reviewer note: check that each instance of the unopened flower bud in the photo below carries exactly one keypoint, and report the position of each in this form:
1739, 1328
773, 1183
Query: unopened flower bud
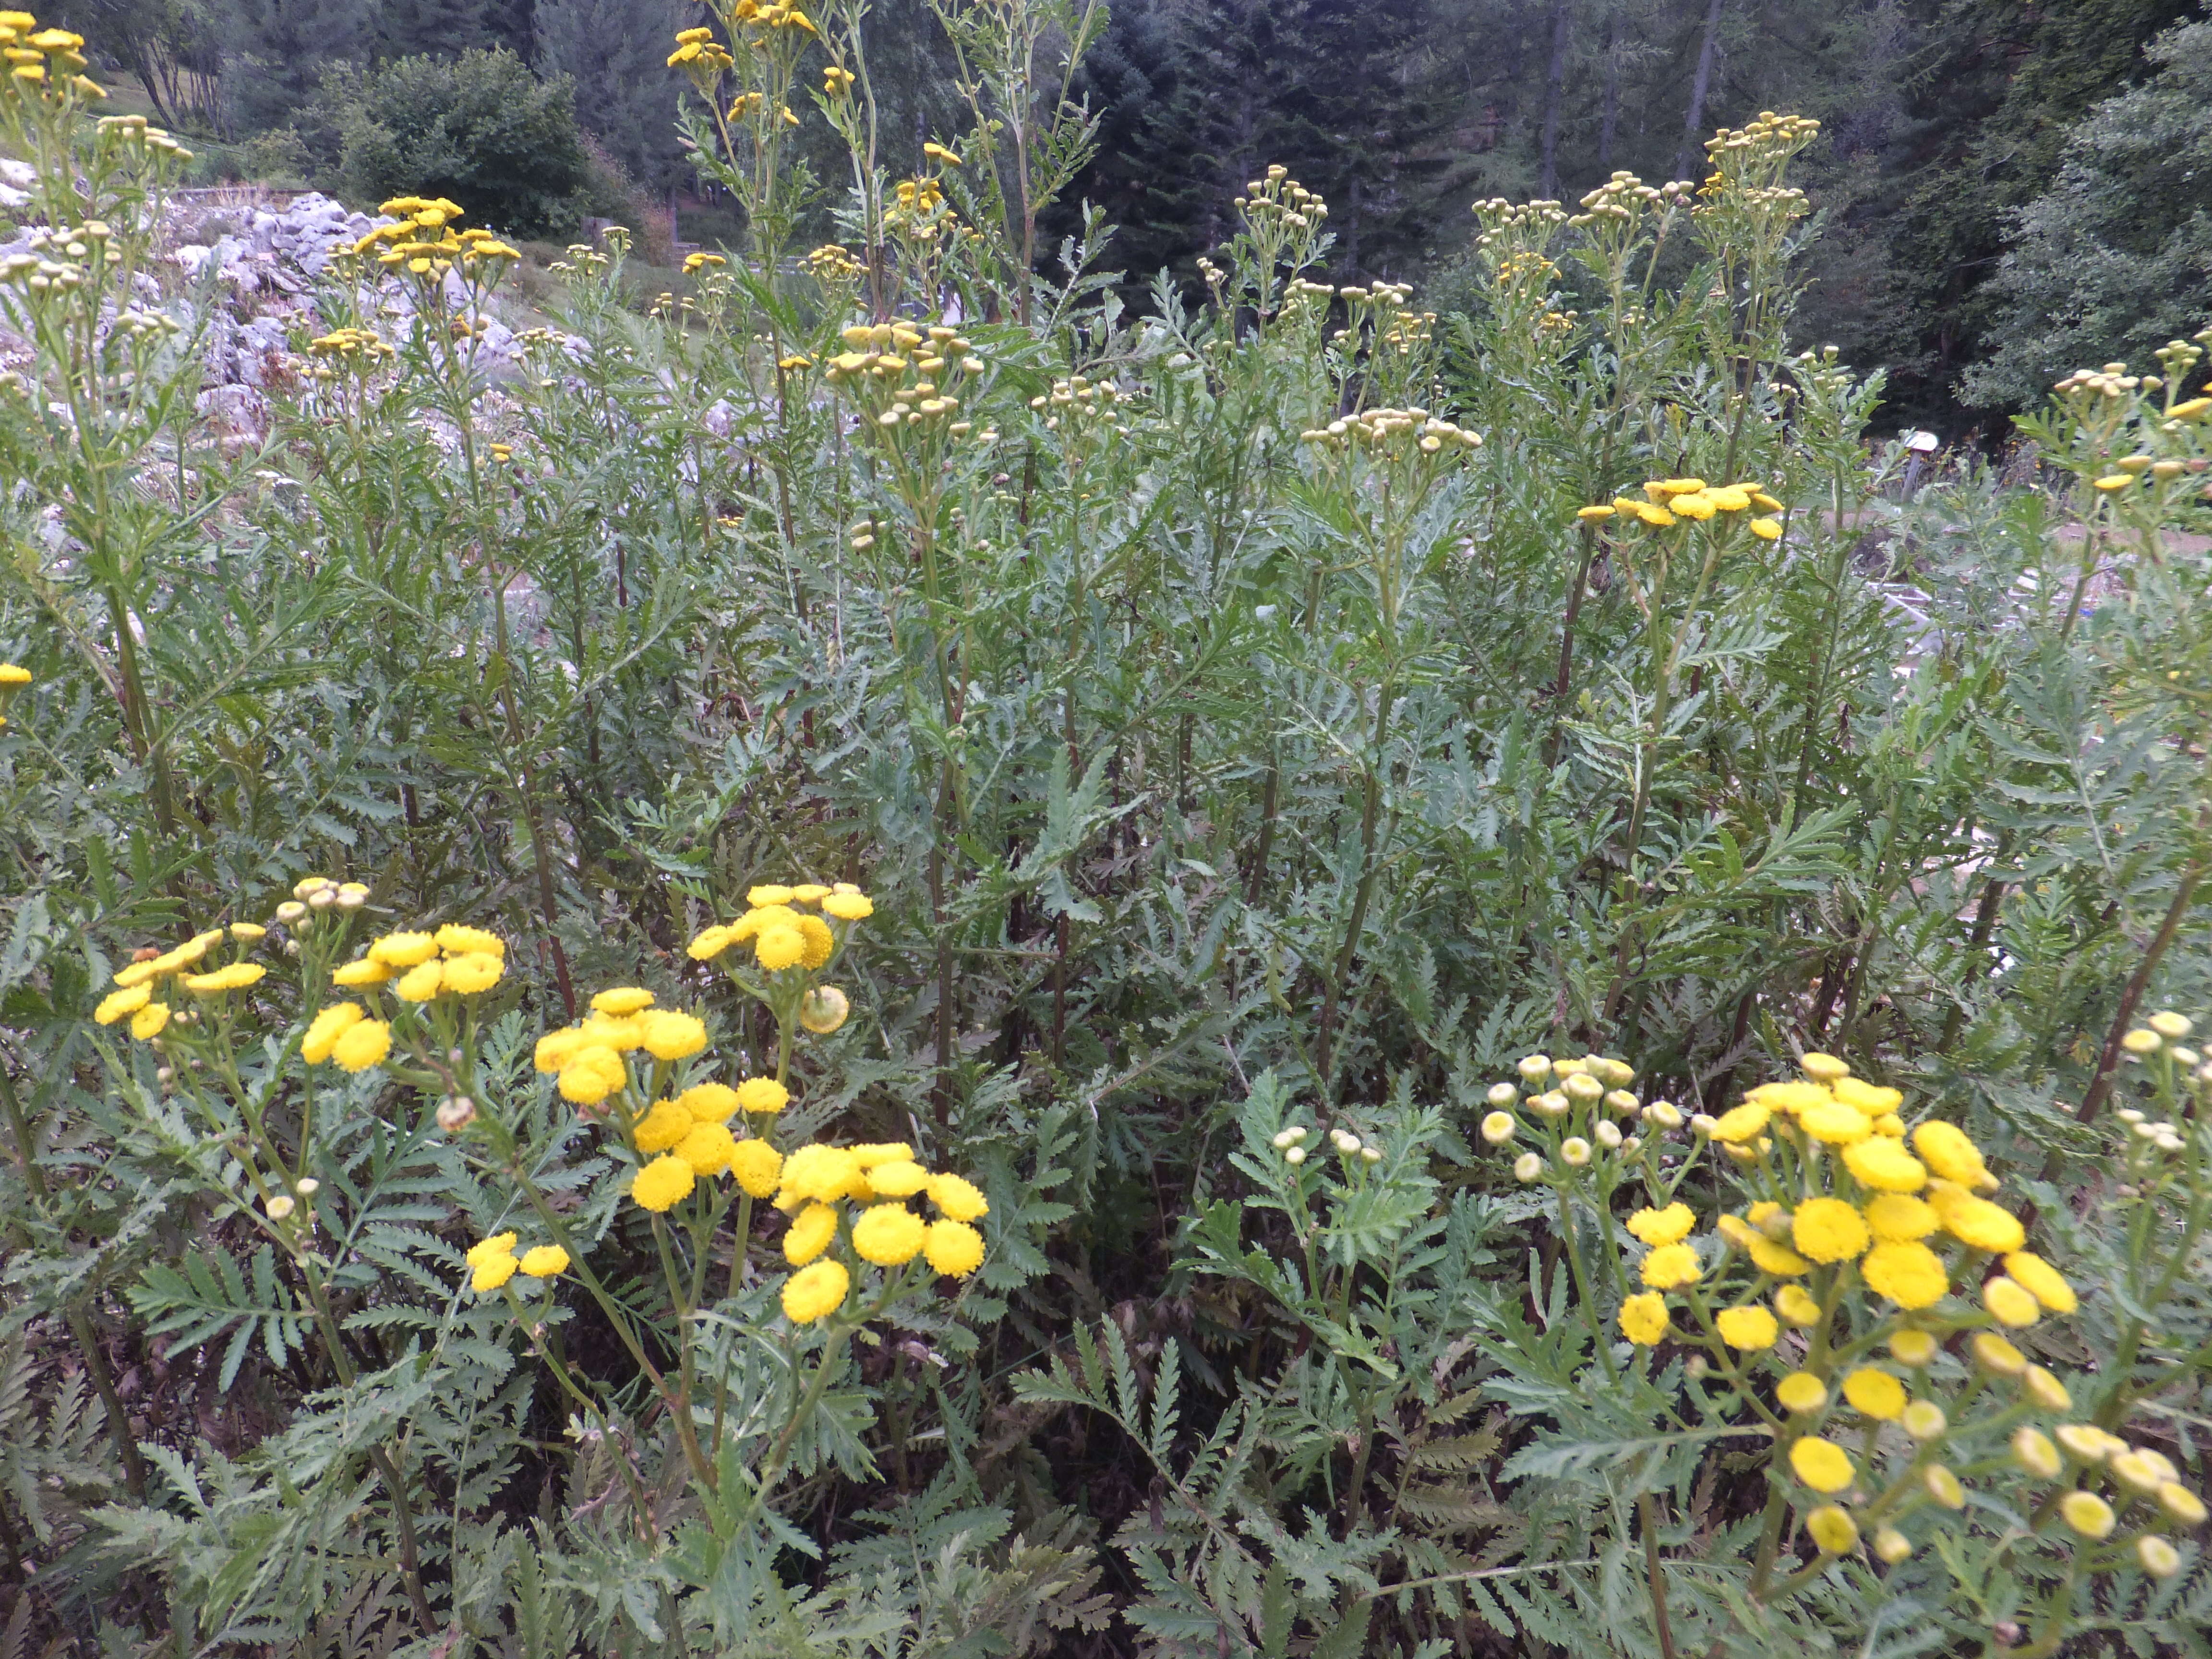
279, 1207
1499, 1127
1664, 1113
1574, 1151
1925, 1420
1528, 1167
1535, 1067
1370, 1154
322, 898
1503, 1094
1607, 1135
306, 1187
456, 1113
1295, 1155
290, 910
1892, 1545
1632, 1145
823, 1009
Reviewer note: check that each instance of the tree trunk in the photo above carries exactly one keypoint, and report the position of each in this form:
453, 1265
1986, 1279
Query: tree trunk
1555, 81
1693, 125
1609, 116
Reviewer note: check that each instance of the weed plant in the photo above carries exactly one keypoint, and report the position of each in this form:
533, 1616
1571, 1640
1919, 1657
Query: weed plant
827, 974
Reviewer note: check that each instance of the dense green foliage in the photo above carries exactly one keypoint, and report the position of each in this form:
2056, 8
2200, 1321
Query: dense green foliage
1231, 745
479, 125
2112, 257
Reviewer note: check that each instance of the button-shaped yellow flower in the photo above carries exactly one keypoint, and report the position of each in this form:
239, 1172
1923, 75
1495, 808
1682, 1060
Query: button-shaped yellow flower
367, 971
1670, 1225
1644, 1318
667, 1035
780, 947
422, 982
149, 1020
2009, 1305
2087, 1513
1797, 1306
545, 1262
472, 972
1828, 1230
2046, 1390
2042, 1281
1832, 1528
2033, 1450
1881, 1163
620, 1000
1893, 1217
118, 1006
590, 1074
890, 1235
403, 950
1749, 1328
707, 1148
1743, 1124
1767, 530
1671, 1266
763, 1095
821, 1173
1911, 1347
1945, 1149
1940, 1484
1908, 1274
816, 1292
1801, 1392
364, 1045
326, 1028
1821, 1464
1975, 1220
1874, 1394
664, 1183
709, 1103
956, 1198
848, 905
757, 1167
492, 1271
1994, 1353
954, 1248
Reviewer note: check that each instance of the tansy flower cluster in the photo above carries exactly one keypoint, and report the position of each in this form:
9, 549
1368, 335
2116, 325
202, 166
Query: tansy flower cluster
1385, 432
898, 373
688, 1139
587, 1059
1672, 500
493, 1262
1584, 1112
852, 1205
49, 60
423, 242
782, 926
1825, 1307
455, 961
146, 990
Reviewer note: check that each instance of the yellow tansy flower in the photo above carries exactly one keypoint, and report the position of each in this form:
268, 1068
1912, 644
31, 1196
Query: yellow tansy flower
1828, 1230
816, 1292
809, 1234
1821, 1464
1669, 1226
1644, 1318
954, 1248
664, 1183
1671, 1266
1749, 1328
362, 1046
757, 1167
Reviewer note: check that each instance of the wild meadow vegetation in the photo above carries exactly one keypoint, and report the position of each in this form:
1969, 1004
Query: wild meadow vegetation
894, 959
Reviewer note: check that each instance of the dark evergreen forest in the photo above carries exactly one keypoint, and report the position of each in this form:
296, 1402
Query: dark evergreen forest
1960, 156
